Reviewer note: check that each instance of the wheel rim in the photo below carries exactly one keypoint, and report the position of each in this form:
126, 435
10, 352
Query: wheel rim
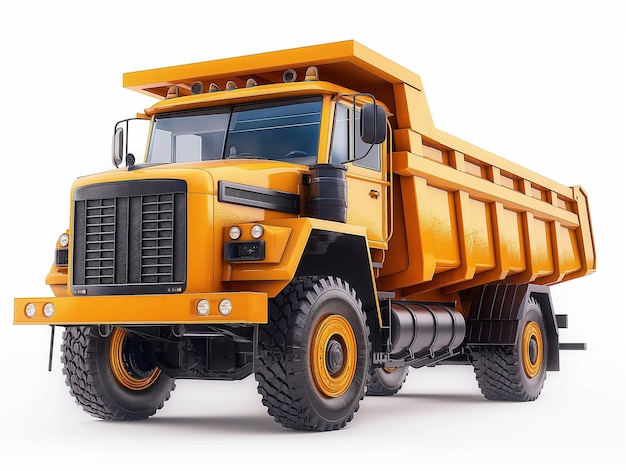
333, 356
126, 359
532, 349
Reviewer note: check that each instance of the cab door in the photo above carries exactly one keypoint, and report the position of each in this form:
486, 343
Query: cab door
368, 187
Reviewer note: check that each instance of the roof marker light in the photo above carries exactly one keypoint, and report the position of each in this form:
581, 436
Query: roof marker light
312, 74
251, 83
213, 87
197, 88
172, 92
230, 85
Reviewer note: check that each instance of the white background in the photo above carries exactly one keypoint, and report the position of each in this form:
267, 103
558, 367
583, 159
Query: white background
540, 83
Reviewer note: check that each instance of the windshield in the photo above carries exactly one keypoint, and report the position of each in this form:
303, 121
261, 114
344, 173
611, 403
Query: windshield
283, 130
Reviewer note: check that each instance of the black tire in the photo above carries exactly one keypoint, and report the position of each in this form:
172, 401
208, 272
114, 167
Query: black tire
516, 373
386, 381
313, 355
112, 377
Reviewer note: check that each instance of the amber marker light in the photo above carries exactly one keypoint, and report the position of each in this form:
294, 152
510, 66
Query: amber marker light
312, 74
172, 92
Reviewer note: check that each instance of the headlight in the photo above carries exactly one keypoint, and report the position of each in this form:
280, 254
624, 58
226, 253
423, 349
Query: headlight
64, 240
30, 310
203, 307
256, 231
225, 307
48, 309
234, 233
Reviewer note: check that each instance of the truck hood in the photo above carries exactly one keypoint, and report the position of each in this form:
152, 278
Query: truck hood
204, 177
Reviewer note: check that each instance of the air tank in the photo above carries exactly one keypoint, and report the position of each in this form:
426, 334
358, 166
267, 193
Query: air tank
329, 192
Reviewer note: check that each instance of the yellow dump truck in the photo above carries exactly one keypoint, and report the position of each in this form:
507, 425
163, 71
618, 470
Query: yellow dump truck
298, 216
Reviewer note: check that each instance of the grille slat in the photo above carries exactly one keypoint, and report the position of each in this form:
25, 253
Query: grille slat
136, 239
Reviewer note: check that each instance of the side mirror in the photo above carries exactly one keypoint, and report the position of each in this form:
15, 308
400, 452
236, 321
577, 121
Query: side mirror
129, 137
373, 124
118, 151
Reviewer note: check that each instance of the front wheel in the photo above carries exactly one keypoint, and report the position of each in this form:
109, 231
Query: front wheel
113, 377
515, 373
313, 355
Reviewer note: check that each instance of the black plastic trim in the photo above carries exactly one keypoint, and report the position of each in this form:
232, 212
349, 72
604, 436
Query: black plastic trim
61, 257
108, 290
256, 197
232, 251
129, 188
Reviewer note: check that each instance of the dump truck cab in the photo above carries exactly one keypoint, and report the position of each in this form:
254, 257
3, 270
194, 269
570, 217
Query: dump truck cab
298, 123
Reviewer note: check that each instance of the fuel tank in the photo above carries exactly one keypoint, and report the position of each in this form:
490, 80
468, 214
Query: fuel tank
421, 329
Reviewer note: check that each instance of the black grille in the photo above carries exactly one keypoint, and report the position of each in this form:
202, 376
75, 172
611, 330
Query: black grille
130, 237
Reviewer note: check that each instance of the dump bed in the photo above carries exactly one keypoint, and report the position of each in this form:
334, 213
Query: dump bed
462, 216
464, 220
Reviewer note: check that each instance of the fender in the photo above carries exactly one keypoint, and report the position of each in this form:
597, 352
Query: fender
496, 311
307, 247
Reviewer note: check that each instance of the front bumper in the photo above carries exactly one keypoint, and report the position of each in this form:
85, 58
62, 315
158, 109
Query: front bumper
247, 307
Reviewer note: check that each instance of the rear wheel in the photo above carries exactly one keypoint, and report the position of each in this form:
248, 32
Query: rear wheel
313, 355
113, 377
515, 373
386, 381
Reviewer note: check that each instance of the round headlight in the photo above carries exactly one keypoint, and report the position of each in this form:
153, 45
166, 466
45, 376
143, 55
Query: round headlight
256, 231
225, 307
235, 232
48, 309
30, 310
64, 240
203, 307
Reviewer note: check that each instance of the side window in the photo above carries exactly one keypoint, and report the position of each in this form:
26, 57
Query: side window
339, 149
367, 155
346, 144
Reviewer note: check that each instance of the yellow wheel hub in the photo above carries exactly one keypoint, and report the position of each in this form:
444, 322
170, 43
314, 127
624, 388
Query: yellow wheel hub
532, 349
122, 365
333, 356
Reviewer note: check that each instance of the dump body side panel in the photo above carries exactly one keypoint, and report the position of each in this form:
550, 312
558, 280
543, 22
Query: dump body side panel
467, 222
